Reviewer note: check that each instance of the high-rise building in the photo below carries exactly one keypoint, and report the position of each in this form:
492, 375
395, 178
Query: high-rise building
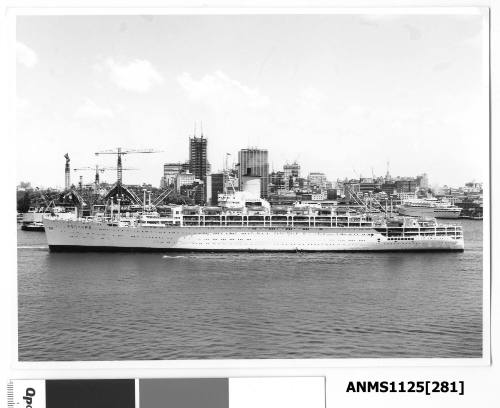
291, 174
291, 170
317, 180
218, 180
389, 187
184, 179
369, 185
198, 164
185, 167
277, 182
254, 162
303, 183
170, 172
406, 185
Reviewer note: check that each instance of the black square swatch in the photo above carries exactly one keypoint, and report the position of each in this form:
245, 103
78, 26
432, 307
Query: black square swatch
90, 393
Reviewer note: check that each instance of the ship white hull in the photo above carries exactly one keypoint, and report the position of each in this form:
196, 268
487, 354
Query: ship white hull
88, 236
428, 212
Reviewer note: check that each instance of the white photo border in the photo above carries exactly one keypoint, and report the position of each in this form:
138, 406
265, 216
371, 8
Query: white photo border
181, 368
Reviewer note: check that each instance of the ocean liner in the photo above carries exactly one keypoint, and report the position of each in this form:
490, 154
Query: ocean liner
243, 223
429, 208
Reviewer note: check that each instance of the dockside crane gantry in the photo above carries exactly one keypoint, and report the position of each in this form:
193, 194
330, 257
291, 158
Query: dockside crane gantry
119, 153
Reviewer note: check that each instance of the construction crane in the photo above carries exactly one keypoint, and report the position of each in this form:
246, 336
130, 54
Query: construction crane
356, 173
98, 170
119, 153
66, 173
227, 175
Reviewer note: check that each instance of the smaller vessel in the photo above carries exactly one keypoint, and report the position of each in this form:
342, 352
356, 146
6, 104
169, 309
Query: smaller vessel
429, 207
33, 226
33, 219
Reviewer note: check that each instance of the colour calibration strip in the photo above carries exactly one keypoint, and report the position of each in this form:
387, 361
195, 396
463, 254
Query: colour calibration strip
249, 392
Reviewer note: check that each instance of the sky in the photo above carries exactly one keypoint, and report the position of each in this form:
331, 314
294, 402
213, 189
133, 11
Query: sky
341, 94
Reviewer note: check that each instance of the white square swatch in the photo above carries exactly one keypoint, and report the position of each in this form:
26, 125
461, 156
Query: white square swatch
277, 392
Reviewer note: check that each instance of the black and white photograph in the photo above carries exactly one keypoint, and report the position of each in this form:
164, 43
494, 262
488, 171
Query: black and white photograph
253, 185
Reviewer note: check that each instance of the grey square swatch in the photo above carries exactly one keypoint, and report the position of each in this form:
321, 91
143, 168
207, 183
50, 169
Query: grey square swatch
184, 393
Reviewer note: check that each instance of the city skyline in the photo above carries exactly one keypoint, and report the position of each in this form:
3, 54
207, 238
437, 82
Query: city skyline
186, 166
110, 177
301, 91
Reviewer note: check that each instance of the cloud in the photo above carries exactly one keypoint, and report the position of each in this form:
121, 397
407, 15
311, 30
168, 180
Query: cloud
90, 110
21, 103
311, 98
219, 90
25, 55
136, 75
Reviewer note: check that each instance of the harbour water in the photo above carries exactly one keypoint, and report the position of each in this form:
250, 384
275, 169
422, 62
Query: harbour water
120, 306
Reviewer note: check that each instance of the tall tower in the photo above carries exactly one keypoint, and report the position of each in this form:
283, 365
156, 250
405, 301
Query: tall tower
67, 181
198, 164
254, 162
387, 174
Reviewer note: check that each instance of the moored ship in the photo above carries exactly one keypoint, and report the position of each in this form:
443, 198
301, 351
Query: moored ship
429, 208
33, 226
249, 224
32, 220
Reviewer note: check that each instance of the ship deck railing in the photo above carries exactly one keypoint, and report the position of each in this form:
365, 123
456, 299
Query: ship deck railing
453, 231
288, 222
279, 220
